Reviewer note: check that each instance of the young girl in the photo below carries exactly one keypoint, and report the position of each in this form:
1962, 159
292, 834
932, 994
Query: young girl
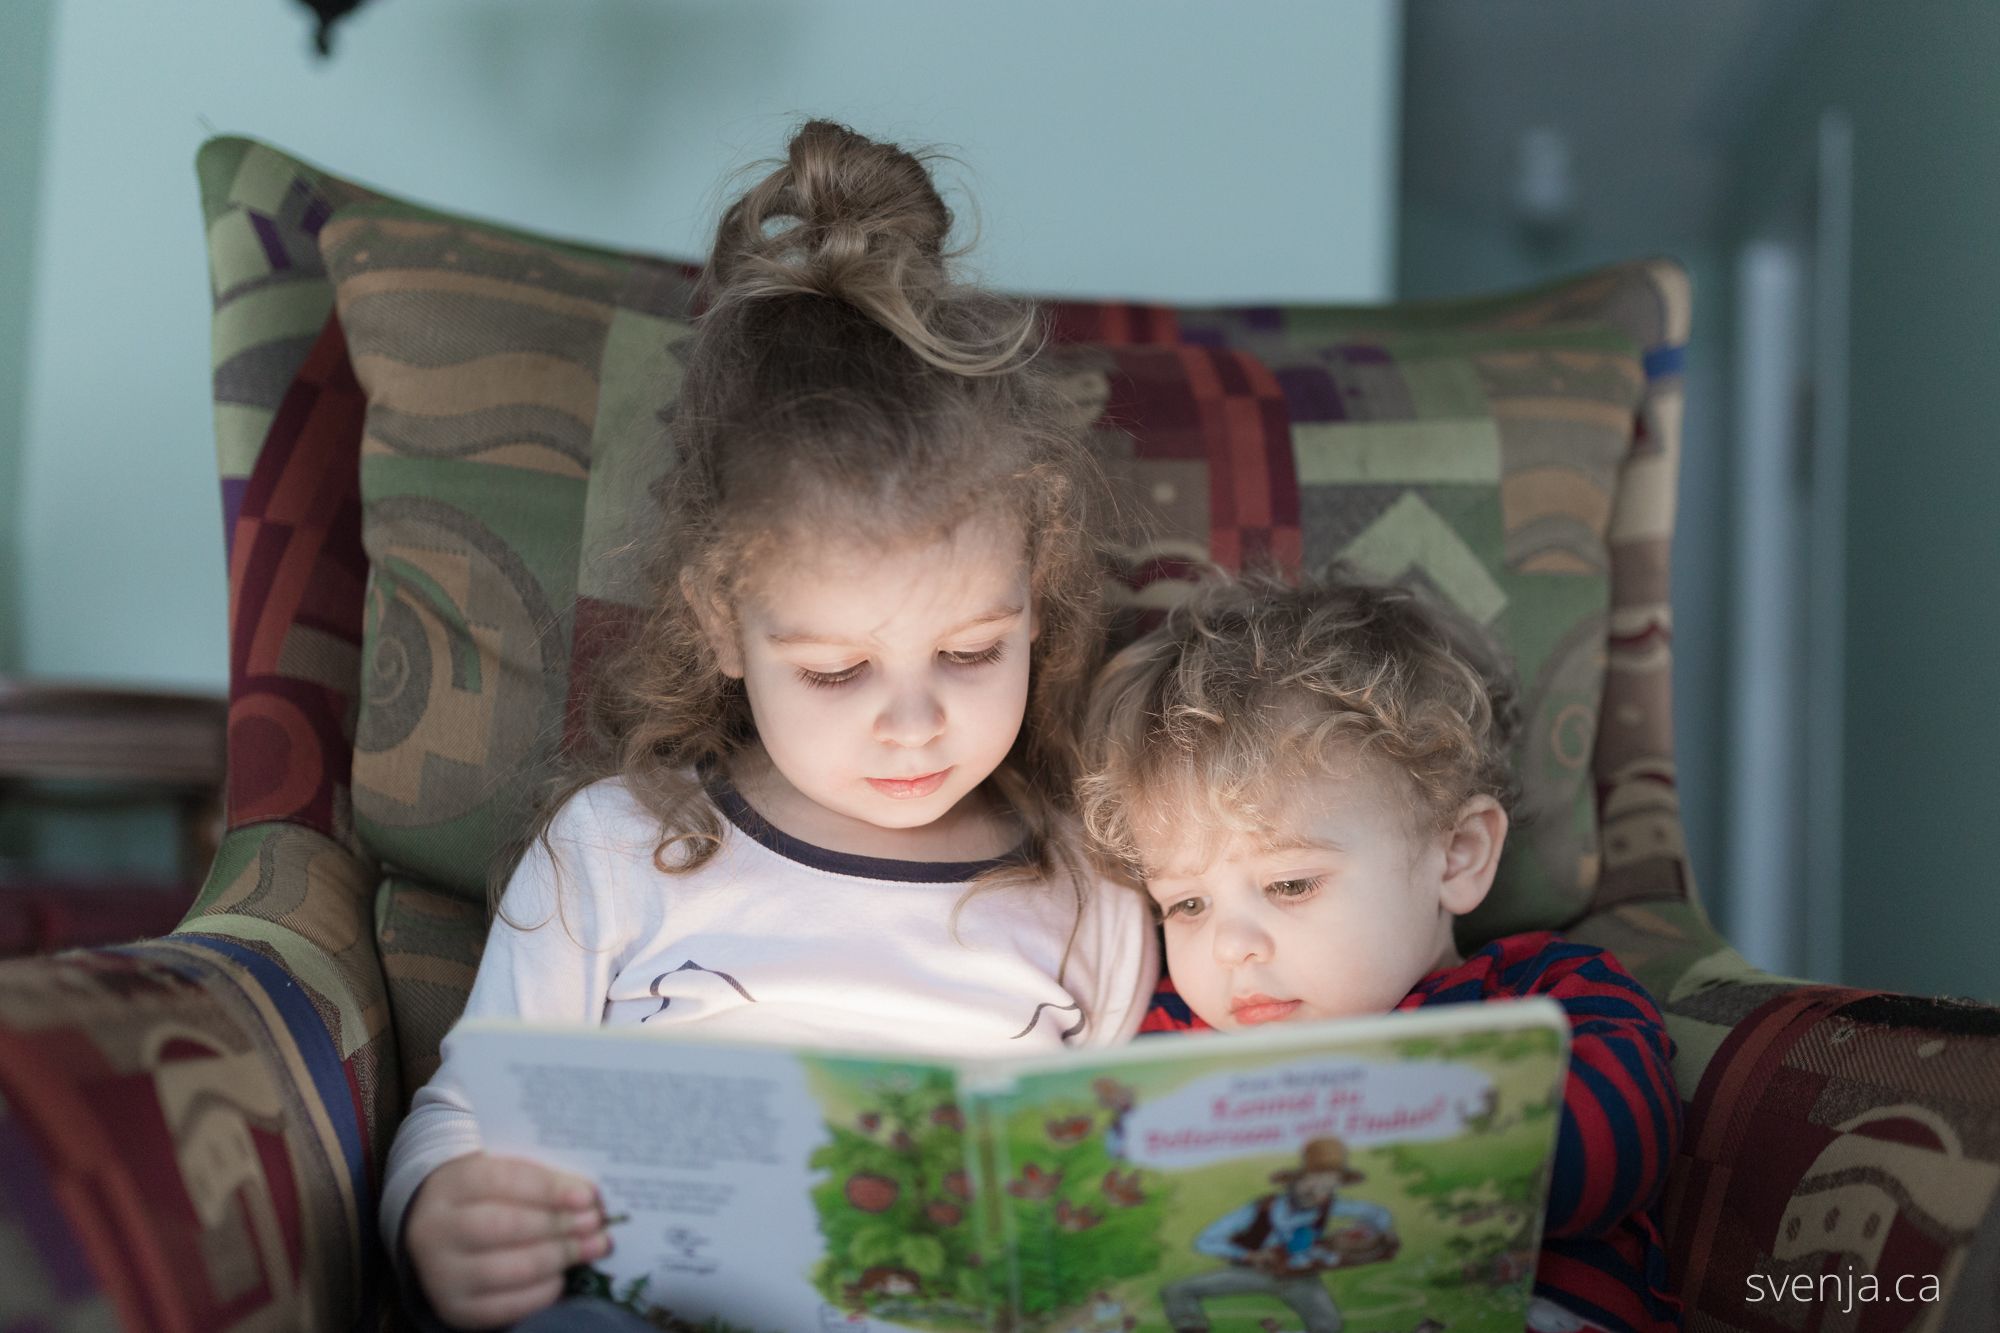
832, 805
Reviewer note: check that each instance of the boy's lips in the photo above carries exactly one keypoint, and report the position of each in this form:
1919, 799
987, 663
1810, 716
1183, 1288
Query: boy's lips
1250, 1010
910, 789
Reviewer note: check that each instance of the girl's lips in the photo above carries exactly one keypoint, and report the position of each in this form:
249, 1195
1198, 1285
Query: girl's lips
1254, 1009
910, 789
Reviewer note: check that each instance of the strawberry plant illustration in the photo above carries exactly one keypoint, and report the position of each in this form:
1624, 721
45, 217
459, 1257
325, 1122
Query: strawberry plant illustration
1083, 1217
895, 1205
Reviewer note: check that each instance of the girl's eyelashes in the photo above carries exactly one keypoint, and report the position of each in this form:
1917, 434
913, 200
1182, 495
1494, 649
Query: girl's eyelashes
1185, 908
984, 657
824, 680
1294, 889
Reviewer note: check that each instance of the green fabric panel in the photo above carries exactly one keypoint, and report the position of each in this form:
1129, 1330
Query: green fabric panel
215, 165
235, 255
457, 854
537, 515
264, 179
1443, 388
640, 374
288, 310
1335, 453
239, 436
239, 850
465, 657
1411, 536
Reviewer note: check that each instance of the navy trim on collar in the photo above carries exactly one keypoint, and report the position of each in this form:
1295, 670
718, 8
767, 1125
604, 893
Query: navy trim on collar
760, 830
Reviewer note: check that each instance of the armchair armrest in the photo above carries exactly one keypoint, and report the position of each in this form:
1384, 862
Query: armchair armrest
1843, 1136
1832, 1136
191, 1127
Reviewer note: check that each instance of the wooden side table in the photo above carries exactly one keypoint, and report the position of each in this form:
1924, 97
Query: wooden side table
82, 745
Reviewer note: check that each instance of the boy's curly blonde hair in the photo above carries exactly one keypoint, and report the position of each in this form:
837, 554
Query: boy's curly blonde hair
1253, 685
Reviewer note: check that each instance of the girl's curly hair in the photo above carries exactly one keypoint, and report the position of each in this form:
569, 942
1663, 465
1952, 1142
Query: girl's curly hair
842, 381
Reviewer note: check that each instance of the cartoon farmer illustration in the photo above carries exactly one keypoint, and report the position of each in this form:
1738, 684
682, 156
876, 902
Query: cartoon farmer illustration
1278, 1245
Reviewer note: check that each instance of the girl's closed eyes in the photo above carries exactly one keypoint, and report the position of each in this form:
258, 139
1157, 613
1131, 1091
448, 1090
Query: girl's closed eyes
847, 675
984, 657
826, 680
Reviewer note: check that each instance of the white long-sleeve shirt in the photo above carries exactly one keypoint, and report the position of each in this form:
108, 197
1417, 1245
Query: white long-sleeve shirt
775, 940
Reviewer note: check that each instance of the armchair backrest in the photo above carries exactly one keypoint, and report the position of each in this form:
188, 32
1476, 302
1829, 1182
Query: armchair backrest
433, 432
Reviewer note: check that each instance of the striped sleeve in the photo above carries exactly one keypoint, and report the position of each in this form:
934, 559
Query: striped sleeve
1168, 1012
1621, 1117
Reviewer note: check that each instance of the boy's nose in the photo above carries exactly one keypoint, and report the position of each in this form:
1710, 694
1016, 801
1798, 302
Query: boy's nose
1238, 939
912, 718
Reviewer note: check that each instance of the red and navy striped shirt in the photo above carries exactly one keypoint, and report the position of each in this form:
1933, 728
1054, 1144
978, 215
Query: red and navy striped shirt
1602, 1254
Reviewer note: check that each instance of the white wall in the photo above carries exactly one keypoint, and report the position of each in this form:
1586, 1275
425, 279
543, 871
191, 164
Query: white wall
1175, 149
26, 28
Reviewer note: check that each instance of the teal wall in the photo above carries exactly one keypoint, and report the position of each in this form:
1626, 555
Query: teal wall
1168, 148
1922, 840
26, 27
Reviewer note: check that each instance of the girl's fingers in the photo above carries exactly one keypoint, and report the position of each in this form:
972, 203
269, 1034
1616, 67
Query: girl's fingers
498, 1271
494, 1275
517, 1181
492, 1225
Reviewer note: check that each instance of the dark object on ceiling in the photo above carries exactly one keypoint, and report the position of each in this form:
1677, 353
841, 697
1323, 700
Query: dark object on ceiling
330, 12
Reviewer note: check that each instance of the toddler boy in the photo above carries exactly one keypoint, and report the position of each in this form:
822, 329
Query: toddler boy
1312, 784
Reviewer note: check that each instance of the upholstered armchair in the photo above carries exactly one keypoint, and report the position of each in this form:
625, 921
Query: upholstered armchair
432, 430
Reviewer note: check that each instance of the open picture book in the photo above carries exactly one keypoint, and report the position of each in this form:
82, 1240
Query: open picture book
1385, 1173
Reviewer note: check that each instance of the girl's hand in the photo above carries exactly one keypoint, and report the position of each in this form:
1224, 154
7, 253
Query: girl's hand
490, 1237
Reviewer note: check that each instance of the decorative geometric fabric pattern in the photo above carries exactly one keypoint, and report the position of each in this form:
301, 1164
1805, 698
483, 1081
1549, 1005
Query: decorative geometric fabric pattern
1477, 463
425, 481
488, 362
286, 408
1830, 1137
296, 573
188, 1122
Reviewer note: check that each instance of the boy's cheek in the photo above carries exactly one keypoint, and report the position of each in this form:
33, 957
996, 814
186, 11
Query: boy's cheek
1199, 985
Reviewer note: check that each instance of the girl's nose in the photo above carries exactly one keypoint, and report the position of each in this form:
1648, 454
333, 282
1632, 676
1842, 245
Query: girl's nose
911, 718
1240, 939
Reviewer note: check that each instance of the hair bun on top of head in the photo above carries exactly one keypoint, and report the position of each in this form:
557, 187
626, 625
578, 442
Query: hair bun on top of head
846, 217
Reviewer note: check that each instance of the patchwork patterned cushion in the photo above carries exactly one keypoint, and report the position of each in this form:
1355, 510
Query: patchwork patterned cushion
514, 392
508, 384
1476, 451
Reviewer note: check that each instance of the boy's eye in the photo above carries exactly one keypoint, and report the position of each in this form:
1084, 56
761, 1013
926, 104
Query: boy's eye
984, 657
823, 680
1294, 888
